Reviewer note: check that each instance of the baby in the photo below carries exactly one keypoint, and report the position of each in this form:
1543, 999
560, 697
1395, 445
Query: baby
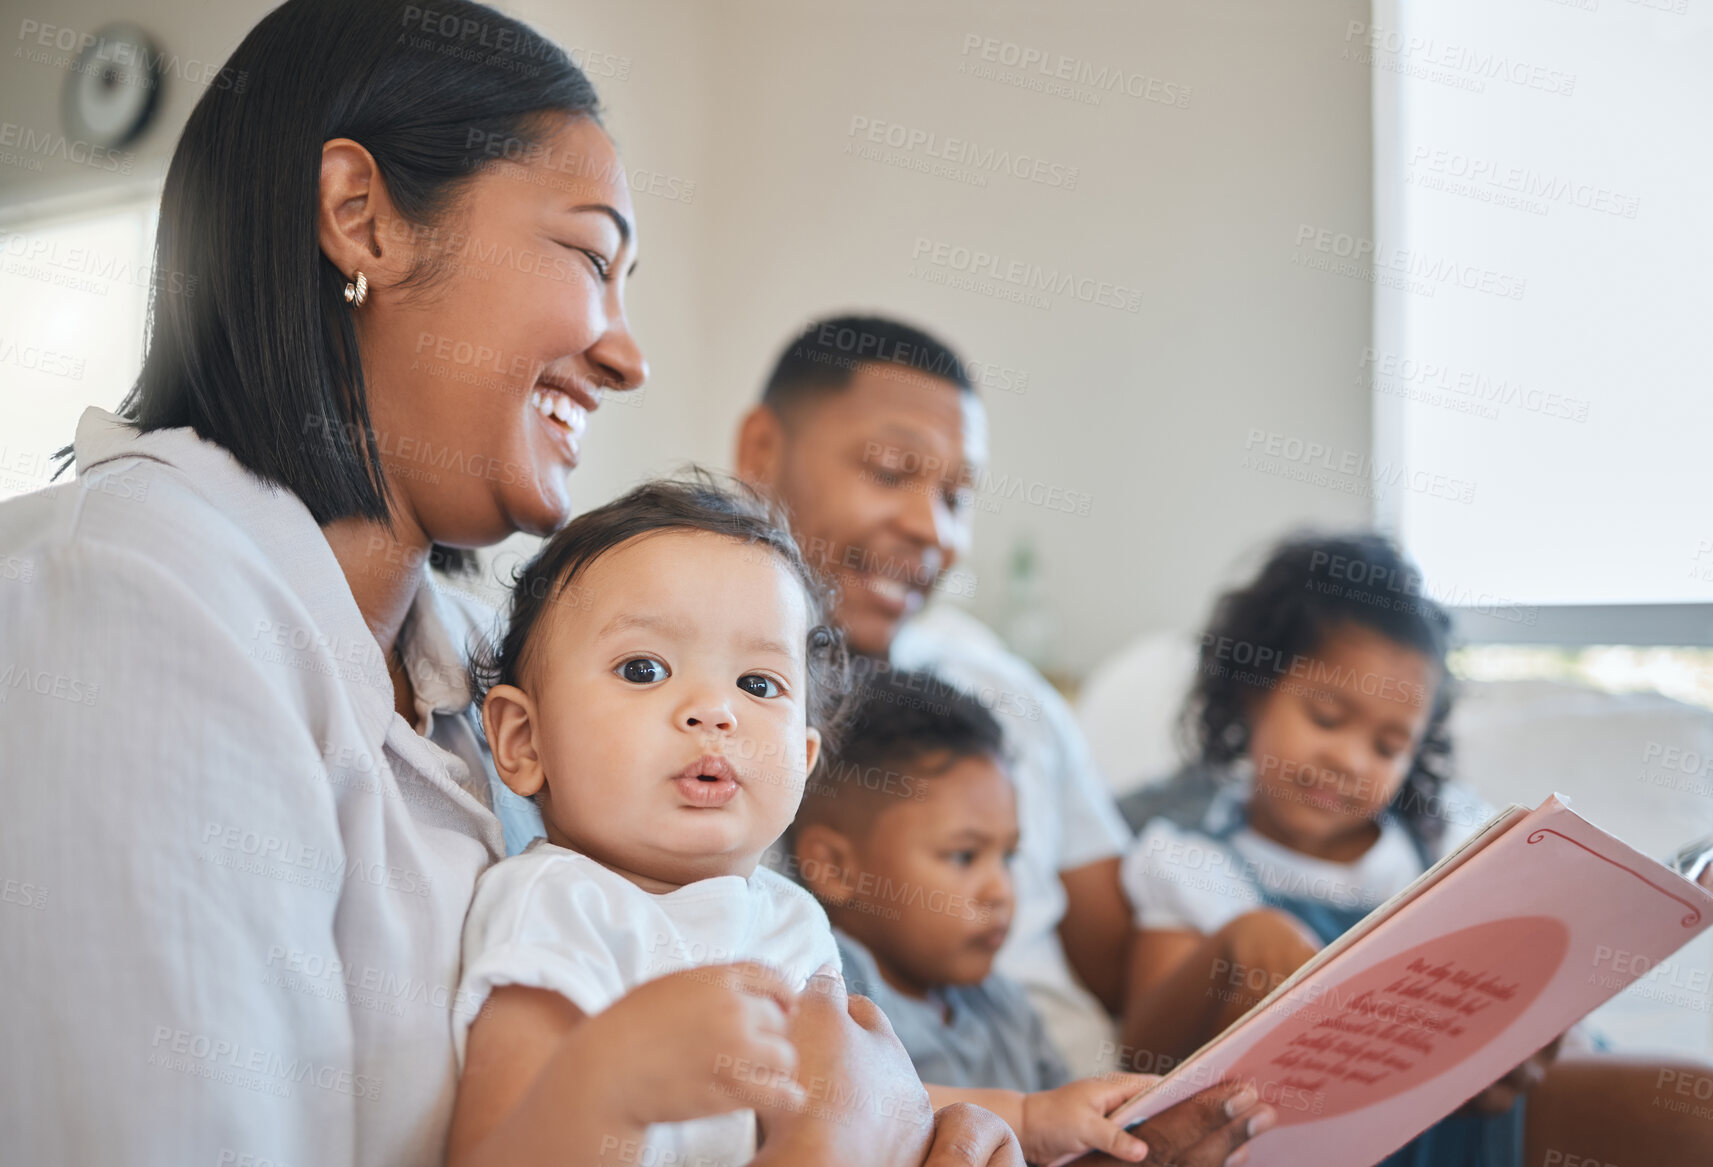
906, 837
658, 694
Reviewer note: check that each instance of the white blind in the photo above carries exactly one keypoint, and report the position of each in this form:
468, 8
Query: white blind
1543, 246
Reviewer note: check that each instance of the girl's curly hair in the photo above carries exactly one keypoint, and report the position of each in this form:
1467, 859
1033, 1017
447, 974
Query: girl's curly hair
1310, 585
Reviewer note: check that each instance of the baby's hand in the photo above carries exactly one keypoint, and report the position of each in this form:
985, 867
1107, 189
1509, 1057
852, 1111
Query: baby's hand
1072, 1119
705, 1041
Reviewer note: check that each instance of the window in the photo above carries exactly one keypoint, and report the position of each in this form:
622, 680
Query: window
74, 291
1542, 242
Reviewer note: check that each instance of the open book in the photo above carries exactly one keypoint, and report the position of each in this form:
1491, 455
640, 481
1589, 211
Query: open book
1508, 941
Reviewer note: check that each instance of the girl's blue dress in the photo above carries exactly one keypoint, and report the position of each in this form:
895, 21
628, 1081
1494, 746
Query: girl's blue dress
1458, 1140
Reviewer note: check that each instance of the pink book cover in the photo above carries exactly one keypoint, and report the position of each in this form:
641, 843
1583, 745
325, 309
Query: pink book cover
1502, 946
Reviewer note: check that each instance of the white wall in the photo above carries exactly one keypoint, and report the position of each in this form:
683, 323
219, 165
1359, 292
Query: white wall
198, 32
1197, 208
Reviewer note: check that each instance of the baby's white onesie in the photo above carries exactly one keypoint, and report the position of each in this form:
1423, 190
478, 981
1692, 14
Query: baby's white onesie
550, 918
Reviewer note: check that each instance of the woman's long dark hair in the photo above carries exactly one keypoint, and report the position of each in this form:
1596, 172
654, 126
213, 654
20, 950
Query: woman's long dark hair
250, 342
1309, 586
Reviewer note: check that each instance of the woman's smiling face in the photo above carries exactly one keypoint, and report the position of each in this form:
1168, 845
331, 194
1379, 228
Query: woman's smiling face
481, 376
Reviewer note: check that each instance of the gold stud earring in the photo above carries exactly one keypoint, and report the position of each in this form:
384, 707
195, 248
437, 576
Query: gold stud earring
356, 293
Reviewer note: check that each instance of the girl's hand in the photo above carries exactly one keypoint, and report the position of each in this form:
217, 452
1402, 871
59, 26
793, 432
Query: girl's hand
1072, 1119
1186, 988
703, 1041
1503, 1094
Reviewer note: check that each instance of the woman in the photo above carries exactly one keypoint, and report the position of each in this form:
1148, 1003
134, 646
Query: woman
245, 782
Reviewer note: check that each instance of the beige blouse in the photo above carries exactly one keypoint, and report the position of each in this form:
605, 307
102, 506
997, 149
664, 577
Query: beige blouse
235, 878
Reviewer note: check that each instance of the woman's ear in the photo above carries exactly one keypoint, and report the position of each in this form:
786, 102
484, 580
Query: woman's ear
824, 860
508, 718
355, 215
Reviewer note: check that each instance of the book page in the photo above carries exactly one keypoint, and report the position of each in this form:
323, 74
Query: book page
1444, 988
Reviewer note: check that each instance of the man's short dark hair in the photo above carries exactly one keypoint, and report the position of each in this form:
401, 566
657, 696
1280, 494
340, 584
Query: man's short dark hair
827, 354
902, 727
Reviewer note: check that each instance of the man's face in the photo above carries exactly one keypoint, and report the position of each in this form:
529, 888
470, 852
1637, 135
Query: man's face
877, 479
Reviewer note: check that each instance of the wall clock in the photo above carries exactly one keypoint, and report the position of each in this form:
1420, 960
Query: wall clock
113, 88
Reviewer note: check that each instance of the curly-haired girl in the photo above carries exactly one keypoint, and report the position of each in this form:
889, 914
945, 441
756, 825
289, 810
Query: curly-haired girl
1317, 726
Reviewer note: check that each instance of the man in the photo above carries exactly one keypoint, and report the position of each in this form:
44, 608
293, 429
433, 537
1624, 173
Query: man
870, 433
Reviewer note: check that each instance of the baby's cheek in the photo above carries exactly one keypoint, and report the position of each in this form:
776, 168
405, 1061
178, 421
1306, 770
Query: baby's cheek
781, 787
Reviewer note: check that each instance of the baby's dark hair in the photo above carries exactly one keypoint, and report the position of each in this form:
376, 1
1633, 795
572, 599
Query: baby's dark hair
1311, 585
904, 727
697, 501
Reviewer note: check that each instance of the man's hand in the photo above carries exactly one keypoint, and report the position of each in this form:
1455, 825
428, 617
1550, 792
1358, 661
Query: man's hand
1207, 1130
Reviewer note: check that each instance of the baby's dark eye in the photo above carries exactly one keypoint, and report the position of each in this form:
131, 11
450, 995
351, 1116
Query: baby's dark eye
757, 685
642, 670
962, 858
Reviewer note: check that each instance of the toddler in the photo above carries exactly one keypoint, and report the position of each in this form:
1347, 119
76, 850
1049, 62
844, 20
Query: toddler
905, 836
658, 693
